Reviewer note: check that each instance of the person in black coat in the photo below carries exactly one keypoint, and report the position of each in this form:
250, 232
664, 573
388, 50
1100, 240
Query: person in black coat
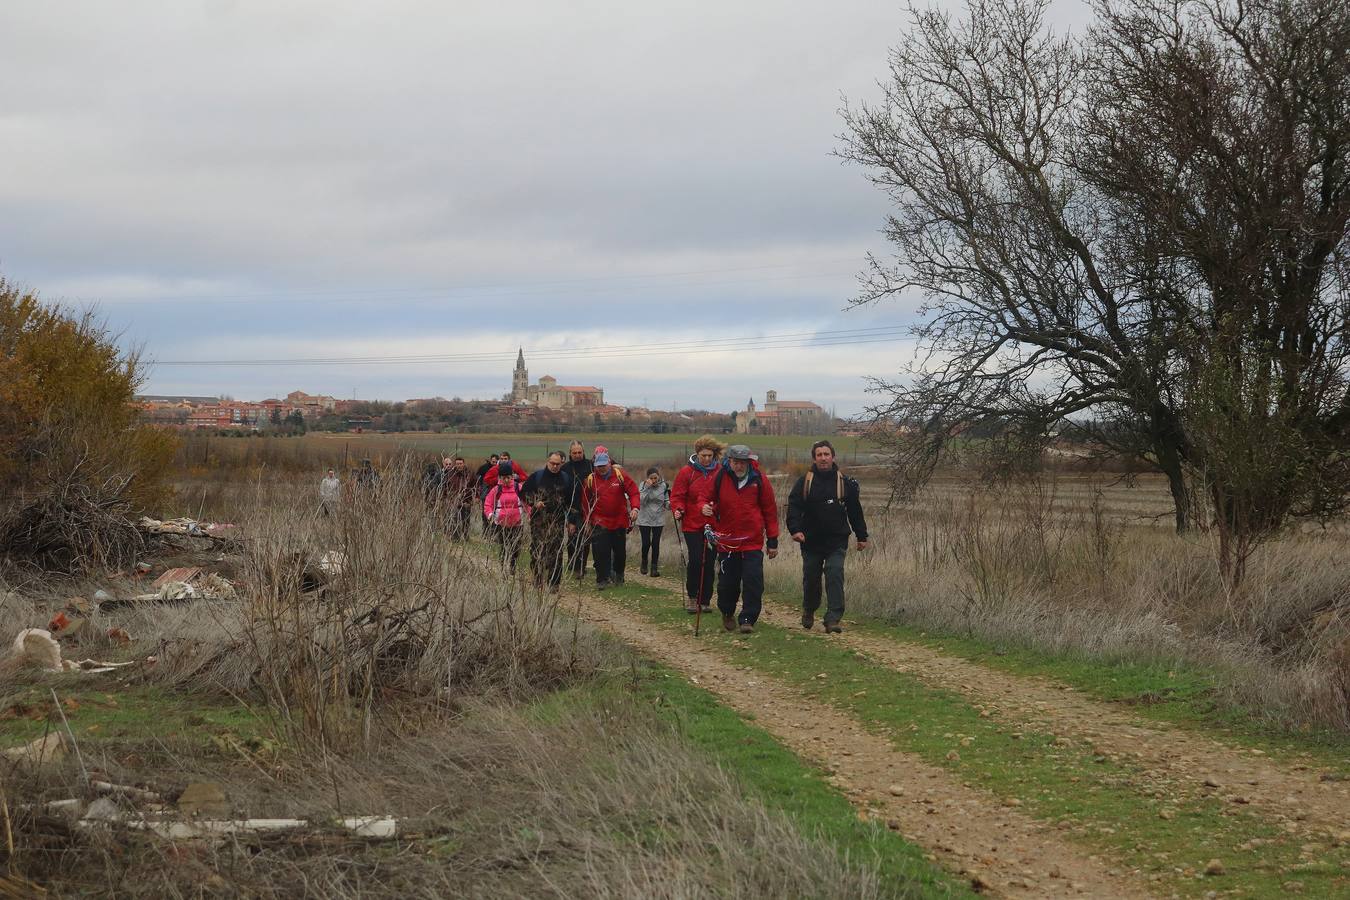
578, 544
553, 516
824, 508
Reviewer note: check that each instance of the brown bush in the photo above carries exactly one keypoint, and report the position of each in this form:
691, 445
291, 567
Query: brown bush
74, 465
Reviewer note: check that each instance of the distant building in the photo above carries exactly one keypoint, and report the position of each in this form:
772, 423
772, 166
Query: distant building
310, 405
779, 417
548, 394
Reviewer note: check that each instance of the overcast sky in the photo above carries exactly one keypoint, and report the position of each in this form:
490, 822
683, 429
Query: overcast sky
283, 180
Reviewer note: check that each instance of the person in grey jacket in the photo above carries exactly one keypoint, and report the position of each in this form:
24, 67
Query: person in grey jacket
330, 493
655, 500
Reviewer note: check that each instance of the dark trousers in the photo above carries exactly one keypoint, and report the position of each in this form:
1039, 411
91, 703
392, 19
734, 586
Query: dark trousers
546, 553
651, 543
830, 563
741, 576
458, 522
510, 540
610, 546
578, 550
698, 577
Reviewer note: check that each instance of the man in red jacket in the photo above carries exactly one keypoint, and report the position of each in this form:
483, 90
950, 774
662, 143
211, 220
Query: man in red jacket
739, 501
609, 503
490, 477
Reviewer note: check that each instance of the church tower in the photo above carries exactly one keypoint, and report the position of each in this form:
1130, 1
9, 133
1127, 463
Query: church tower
520, 379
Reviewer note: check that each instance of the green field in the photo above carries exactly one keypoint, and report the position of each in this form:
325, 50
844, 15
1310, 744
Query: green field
319, 449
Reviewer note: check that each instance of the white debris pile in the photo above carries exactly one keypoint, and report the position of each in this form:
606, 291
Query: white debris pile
202, 812
37, 648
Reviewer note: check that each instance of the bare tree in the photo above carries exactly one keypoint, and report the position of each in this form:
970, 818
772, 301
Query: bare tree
1142, 231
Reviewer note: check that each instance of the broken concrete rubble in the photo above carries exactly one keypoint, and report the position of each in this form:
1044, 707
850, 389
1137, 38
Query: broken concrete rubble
378, 827
37, 647
173, 590
332, 563
46, 750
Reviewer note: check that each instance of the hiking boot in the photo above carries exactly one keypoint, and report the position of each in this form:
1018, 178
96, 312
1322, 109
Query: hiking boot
729, 623
643, 569
833, 628
618, 579
656, 573
603, 585
808, 620
707, 607
747, 628
691, 606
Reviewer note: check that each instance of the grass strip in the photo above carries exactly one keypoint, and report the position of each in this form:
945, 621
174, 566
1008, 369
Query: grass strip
770, 773
1102, 802
117, 712
1164, 692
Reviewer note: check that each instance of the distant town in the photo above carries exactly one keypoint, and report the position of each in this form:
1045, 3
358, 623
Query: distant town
544, 405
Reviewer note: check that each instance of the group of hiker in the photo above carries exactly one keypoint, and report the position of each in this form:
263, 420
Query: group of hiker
575, 508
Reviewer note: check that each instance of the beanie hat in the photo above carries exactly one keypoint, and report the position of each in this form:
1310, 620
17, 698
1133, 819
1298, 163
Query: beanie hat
504, 470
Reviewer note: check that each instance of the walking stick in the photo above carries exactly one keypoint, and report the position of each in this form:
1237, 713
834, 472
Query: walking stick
707, 538
679, 539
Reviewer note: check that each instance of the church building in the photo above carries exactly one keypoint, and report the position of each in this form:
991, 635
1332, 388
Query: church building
779, 417
548, 394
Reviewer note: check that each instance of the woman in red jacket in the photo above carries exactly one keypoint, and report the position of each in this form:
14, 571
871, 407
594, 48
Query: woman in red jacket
685, 506
739, 501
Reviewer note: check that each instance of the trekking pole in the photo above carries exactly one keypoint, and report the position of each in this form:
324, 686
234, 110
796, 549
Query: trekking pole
702, 579
698, 613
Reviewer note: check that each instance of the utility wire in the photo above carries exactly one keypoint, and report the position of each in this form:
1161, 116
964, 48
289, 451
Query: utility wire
500, 290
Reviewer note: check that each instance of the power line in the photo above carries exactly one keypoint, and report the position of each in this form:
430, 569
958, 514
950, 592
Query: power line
501, 290
785, 341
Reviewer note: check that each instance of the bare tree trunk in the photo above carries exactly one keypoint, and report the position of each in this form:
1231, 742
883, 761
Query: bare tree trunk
1170, 463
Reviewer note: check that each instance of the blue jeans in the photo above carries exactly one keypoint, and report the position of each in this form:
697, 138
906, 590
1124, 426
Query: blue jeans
740, 576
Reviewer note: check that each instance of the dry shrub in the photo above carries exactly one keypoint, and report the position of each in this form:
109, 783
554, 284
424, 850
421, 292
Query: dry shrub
70, 448
410, 616
1018, 565
74, 524
590, 800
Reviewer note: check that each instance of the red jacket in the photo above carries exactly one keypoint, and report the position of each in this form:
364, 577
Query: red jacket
690, 484
605, 502
742, 516
490, 477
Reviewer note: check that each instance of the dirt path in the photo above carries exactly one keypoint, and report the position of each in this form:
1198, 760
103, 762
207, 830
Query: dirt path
1001, 850
1187, 763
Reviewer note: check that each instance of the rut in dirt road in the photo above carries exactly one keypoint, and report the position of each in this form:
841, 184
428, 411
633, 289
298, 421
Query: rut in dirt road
999, 849
1190, 764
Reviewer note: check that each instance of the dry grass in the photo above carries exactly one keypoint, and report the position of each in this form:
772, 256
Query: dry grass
603, 802
410, 616
400, 687
1055, 567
